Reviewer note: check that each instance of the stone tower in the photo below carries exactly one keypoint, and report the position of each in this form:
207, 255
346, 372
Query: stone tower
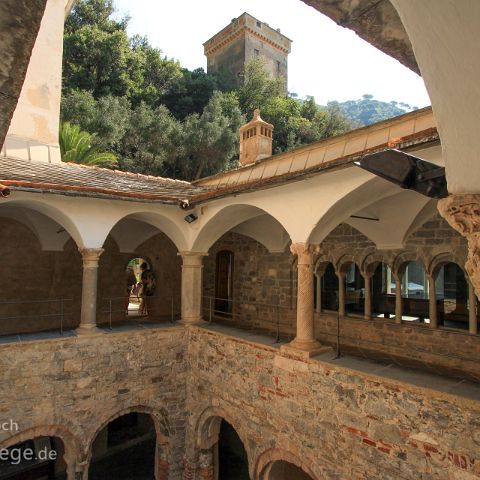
255, 140
246, 38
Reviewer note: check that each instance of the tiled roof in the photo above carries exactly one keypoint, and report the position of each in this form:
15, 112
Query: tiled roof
93, 181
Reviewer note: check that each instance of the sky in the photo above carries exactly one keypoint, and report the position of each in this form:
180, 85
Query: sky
327, 61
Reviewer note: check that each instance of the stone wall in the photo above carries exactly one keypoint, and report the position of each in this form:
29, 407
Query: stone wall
71, 388
262, 281
331, 421
453, 353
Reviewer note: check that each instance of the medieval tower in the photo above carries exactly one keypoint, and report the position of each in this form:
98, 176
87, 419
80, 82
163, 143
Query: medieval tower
245, 38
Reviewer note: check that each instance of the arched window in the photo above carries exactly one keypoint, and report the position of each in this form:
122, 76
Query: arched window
232, 458
40, 457
124, 449
383, 292
354, 290
329, 289
282, 470
414, 292
134, 288
224, 282
451, 291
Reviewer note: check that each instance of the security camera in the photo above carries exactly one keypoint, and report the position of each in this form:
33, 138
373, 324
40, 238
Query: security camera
184, 204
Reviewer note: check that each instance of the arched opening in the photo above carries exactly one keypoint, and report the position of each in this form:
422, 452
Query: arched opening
224, 282
354, 290
232, 457
39, 458
283, 470
125, 449
383, 298
415, 292
129, 295
330, 289
139, 285
42, 274
451, 289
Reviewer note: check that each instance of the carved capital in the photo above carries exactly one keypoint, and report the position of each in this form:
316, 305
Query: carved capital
462, 212
90, 256
304, 252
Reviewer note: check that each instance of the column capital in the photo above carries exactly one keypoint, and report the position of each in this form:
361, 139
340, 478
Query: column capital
304, 252
192, 259
462, 212
90, 256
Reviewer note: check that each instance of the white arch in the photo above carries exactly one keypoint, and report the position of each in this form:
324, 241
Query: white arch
128, 238
395, 215
48, 210
226, 219
265, 230
51, 235
357, 199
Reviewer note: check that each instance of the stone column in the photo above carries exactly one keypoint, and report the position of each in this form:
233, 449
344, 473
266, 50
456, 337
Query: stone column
318, 284
189, 468
472, 309
462, 212
88, 316
432, 302
368, 297
341, 294
206, 469
398, 298
192, 269
304, 343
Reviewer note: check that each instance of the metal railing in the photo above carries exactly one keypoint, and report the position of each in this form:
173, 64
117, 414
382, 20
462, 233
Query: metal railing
118, 309
254, 316
36, 309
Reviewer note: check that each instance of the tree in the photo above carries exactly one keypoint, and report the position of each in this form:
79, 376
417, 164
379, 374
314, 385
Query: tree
77, 146
258, 87
100, 58
211, 139
192, 92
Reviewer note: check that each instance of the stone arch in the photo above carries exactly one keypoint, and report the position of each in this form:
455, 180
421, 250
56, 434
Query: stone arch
266, 459
72, 455
162, 452
207, 430
404, 258
371, 261
344, 261
228, 218
441, 259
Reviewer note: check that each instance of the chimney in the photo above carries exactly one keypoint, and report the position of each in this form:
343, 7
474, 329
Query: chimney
255, 140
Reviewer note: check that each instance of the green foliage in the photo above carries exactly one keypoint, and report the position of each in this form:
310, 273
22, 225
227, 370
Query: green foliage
211, 139
77, 146
100, 58
367, 110
192, 92
295, 123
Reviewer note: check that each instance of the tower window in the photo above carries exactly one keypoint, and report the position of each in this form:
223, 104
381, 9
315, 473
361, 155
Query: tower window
256, 53
259, 24
278, 68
